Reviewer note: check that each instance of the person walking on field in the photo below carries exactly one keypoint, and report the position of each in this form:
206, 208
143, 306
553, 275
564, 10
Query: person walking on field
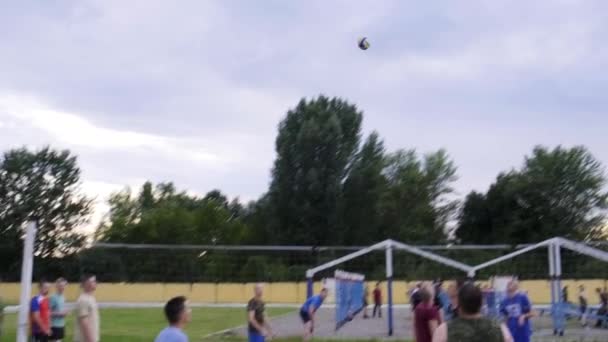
377, 301
86, 312
582, 304
58, 311
426, 315
259, 326
178, 315
365, 301
518, 311
40, 314
603, 309
308, 312
470, 325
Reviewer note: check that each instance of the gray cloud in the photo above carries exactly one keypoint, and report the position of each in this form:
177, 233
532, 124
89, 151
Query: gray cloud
193, 91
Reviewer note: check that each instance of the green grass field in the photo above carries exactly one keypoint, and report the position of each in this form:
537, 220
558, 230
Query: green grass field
134, 325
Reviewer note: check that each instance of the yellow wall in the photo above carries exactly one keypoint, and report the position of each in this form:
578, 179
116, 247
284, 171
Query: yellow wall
279, 293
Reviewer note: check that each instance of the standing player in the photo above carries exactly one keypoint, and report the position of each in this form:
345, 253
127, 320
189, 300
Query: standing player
178, 315
602, 312
518, 311
582, 304
86, 328
415, 296
259, 326
58, 311
377, 301
426, 315
308, 311
365, 302
41, 314
471, 325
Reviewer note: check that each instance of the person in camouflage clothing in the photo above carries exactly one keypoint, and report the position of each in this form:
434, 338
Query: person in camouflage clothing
470, 325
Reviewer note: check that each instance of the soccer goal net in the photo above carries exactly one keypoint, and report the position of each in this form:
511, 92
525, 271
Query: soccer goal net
349, 292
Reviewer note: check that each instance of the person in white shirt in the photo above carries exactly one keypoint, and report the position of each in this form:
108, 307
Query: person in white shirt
86, 312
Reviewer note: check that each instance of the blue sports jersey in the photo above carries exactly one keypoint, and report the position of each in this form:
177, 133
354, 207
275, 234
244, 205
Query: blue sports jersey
512, 308
314, 302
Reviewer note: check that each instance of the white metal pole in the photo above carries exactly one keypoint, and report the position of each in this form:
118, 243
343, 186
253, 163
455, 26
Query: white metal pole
26, 281
389, 284
558, 268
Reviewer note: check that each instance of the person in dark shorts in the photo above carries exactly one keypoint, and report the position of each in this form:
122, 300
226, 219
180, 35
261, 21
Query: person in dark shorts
602, 312
258, 324
471, 326
40, 314
58, 311
308, 311
582, 304
517, 310
365, 302
377, 301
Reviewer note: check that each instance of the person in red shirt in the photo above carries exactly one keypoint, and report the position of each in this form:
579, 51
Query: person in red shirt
426, 316
40, 312
377, 301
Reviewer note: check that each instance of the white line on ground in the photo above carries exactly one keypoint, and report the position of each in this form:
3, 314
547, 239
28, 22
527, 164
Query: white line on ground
221, 332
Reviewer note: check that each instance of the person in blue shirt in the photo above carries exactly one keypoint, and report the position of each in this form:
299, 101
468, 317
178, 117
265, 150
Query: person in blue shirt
58, 311
308, 311
518, 310
178, 314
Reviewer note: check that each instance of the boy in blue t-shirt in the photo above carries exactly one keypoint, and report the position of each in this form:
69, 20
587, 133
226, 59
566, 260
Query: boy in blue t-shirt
308, 310
518, 311
178, 314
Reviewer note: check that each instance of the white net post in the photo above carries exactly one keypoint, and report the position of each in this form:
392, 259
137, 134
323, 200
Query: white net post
26, 281
389, 282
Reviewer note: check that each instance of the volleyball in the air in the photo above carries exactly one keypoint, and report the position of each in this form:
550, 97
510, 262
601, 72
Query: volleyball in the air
363, 43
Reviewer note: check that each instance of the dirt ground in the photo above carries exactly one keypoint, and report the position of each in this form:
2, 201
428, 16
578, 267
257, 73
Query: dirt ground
290, 325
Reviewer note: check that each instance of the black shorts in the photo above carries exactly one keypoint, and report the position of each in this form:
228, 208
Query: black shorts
40, 338
58, 333
305, 316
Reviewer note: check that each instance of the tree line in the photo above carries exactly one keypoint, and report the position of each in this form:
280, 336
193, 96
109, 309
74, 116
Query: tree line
330, 185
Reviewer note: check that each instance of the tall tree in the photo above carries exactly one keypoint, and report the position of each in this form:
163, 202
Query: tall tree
417, 204
363, 191
559, 192
316, 144
166, 216
43, 186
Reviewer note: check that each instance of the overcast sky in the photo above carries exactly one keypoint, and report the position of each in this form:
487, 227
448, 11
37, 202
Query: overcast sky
192, 91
